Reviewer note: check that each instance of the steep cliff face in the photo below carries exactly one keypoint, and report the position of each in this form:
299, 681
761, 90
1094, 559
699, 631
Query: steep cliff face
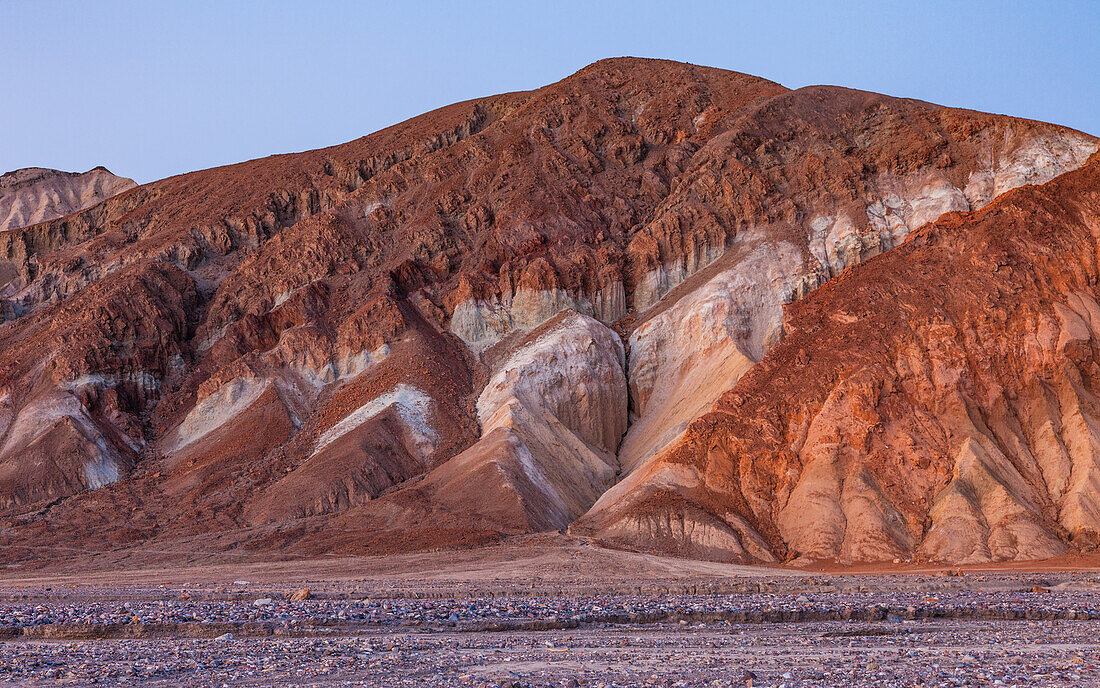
936, 402
34, 194
490, 318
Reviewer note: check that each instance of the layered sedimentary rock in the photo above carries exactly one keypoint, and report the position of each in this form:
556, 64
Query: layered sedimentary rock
506, 316
34, 194
937, 402
76, 376
558, 407
551, 418
799, 188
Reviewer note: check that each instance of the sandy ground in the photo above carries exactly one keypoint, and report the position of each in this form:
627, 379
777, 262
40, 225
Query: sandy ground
542, 561
546, 560
546, 611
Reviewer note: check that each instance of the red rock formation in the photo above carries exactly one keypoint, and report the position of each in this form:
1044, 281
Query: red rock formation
939, 401
78, 376
409, 340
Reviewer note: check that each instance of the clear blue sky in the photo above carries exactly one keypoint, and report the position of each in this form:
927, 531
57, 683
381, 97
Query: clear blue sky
152, 88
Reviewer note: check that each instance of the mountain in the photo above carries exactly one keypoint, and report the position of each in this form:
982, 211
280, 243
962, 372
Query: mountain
654, 304
33, 194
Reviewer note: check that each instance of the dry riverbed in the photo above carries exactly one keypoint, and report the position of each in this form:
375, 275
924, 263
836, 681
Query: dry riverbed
545, 616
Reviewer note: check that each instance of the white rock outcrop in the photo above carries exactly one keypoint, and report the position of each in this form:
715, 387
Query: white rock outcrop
552, 417
685, 356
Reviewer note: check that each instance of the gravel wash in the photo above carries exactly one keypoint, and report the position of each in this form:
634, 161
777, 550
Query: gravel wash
995, 631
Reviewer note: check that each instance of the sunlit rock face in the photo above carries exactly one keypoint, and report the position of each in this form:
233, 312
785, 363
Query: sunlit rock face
682, 358
732, 313
935, 403
534, 312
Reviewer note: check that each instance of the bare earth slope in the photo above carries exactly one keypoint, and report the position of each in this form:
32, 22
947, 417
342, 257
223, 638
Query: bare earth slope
474, 323
939, 401
33, 194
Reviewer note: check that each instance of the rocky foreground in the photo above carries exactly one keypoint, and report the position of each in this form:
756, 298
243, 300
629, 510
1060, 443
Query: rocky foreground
914, 630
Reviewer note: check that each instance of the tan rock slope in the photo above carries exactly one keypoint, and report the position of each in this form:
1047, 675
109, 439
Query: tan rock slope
33, 194
487, 319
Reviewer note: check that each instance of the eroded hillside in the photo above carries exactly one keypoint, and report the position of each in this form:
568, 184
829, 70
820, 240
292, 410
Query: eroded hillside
489, 318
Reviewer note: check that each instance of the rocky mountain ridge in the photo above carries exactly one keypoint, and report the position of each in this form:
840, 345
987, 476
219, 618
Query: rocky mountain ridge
518, 314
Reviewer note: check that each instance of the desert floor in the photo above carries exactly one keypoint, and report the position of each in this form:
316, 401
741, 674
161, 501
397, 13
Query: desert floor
541, 611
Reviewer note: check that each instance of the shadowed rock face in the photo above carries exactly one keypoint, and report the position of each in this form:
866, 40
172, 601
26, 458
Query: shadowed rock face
490, 318
33, 194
